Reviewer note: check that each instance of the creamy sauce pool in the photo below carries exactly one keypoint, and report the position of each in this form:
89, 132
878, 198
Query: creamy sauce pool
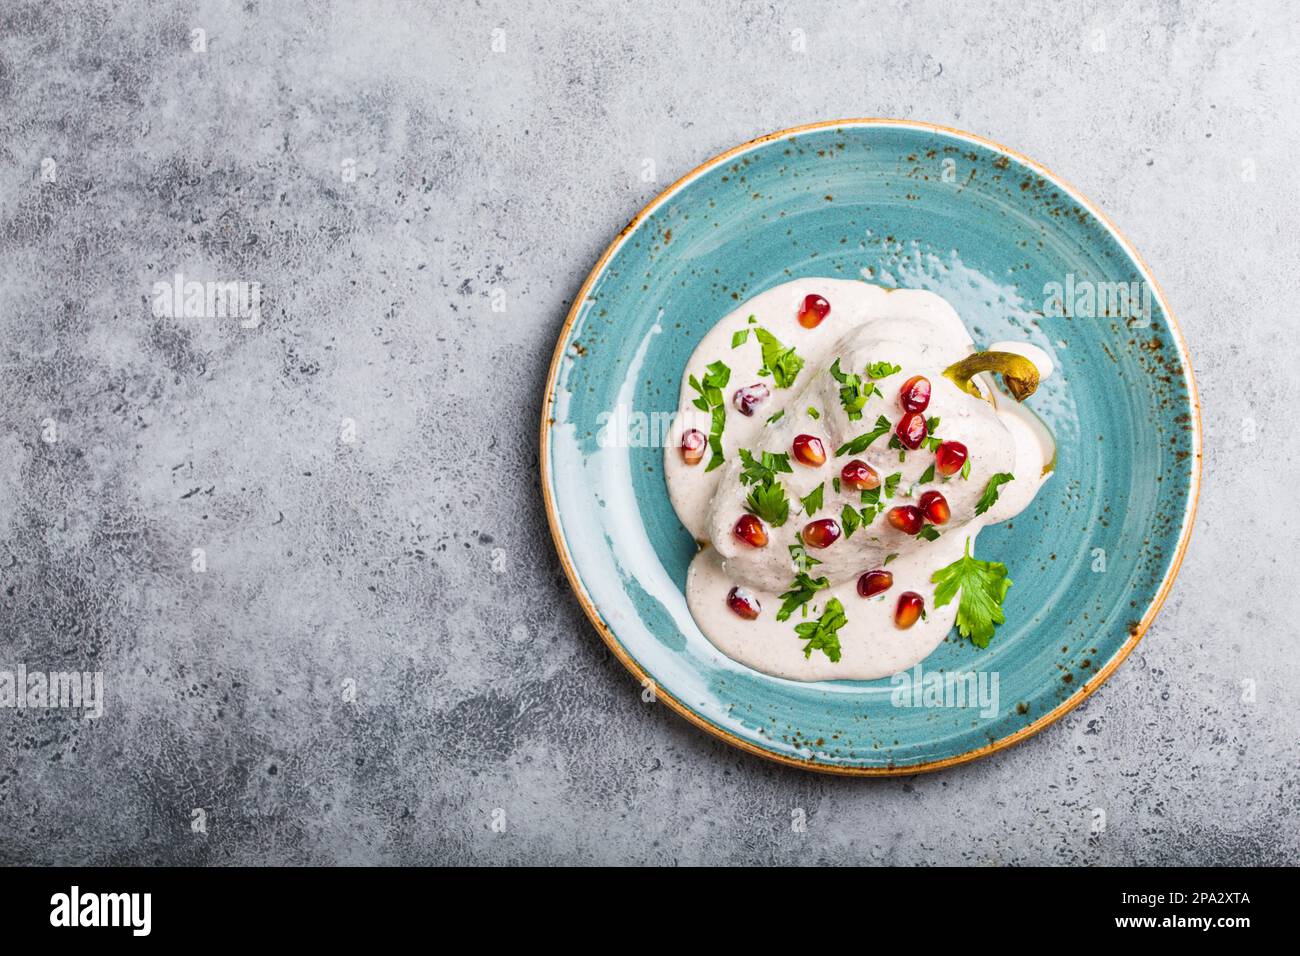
913, 329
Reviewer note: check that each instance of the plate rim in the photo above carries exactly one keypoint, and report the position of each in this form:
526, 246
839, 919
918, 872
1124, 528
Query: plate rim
812, 763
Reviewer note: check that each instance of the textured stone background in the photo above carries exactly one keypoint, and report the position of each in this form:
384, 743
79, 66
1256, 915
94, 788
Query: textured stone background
371, 561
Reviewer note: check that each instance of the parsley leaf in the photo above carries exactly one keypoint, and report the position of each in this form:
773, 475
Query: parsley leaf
799, 556
813, 413
873, 507
767, 499
800, 593
853, 394
930, 442
814, 500
891, 483
710, 400
776, 418
765, 468
718, 422
851, 519
928, 533
890, 557
927, 476
883, 369
715, 380
717, 374
823, 634
965, 470
859, 444
769, 502
738, 338
990, 496
983, 586
782, 363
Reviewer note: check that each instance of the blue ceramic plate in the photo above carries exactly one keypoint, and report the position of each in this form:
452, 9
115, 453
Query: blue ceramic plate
1020, 255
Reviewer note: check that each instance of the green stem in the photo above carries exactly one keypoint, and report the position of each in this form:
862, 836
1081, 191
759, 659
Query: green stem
1019, 375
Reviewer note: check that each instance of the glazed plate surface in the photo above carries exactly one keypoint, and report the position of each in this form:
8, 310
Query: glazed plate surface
1012, 248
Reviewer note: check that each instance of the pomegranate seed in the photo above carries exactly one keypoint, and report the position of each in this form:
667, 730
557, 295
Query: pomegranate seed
821, 533
911, 430
859, 476
693, 445
808, 450
743, 603
949, 457
935, 507
914, 396
815, 308
751, 531
906, 518
873, 582
748, 399
909, 608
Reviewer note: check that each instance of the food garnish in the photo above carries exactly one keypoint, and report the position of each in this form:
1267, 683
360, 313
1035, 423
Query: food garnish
990, 496
716, 376
823, 634
858, 445
983, 586
1019, 375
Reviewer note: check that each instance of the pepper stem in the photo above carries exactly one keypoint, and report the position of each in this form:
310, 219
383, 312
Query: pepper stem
1019, 375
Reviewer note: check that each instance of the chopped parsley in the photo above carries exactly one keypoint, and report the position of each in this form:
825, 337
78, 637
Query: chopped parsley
853, 392
710, 400
814, 500
767, 498
799, 556
851, 518
776, 418
871, 498
859, 444
883, 369
930, 442
928, 533
891, 483
835, 483
717, 422
763, 469
823, 634
890, 557
927, 476
782, 363
769, 502
990, 496
983, 586
716, 377
800, 593
965, 470
739, 338
895, 443
813, 413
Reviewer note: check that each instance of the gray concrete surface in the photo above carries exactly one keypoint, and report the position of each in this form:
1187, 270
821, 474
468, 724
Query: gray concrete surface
127, 440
